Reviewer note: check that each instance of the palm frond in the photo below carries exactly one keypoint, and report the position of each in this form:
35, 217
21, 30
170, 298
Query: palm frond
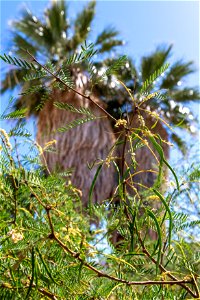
185, 95
13, 78
82, 24
30, 26
56, 16
107, 34
176, 73
154, 61
20, 43
109, 45
179, 142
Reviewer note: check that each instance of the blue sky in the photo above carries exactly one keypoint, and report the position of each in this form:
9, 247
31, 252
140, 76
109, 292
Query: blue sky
142, 24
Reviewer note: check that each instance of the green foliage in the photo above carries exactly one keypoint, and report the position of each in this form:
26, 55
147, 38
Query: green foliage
70, 107
148, 82
21, 113
48, 247
18, 62
76, 123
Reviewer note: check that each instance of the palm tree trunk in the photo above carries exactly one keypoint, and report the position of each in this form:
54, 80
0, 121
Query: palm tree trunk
78, 147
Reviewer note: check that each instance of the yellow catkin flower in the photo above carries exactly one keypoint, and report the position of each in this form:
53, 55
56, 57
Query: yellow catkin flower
48, 144
151, 96
40, 149
153, 197
5, 138
141, 121
121, 122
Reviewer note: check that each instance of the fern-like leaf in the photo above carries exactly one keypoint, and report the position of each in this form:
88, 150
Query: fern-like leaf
87, 52
18, 62
148, 83
32, 89
76, 123
120, 62
113, 69
35, 75
17, 114
65, 76
70, 107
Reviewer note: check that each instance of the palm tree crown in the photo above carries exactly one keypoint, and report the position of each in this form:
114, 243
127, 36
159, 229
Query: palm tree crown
53, 38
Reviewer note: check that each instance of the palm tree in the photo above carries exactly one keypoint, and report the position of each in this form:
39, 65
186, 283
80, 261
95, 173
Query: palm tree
53, 38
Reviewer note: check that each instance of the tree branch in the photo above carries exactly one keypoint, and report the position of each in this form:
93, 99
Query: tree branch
70, 88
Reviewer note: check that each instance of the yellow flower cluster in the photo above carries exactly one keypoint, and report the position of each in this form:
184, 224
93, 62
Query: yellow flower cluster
16, 236
121, 122
141, 121
150, 96
109, 159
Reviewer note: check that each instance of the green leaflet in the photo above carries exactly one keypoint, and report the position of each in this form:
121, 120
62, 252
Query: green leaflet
120, 62
20, 130
168, 210
162, 159
72, 108
147, 84
46, 267
35, 75
76, 123
33, 273
66, 78
159, 242
95, 78
87, 52
18, 62
93, 185
18, 114
33, 89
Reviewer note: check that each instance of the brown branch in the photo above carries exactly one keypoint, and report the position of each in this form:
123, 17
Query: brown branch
70, 88
195, 285
41, 290
102, 274
47, 293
